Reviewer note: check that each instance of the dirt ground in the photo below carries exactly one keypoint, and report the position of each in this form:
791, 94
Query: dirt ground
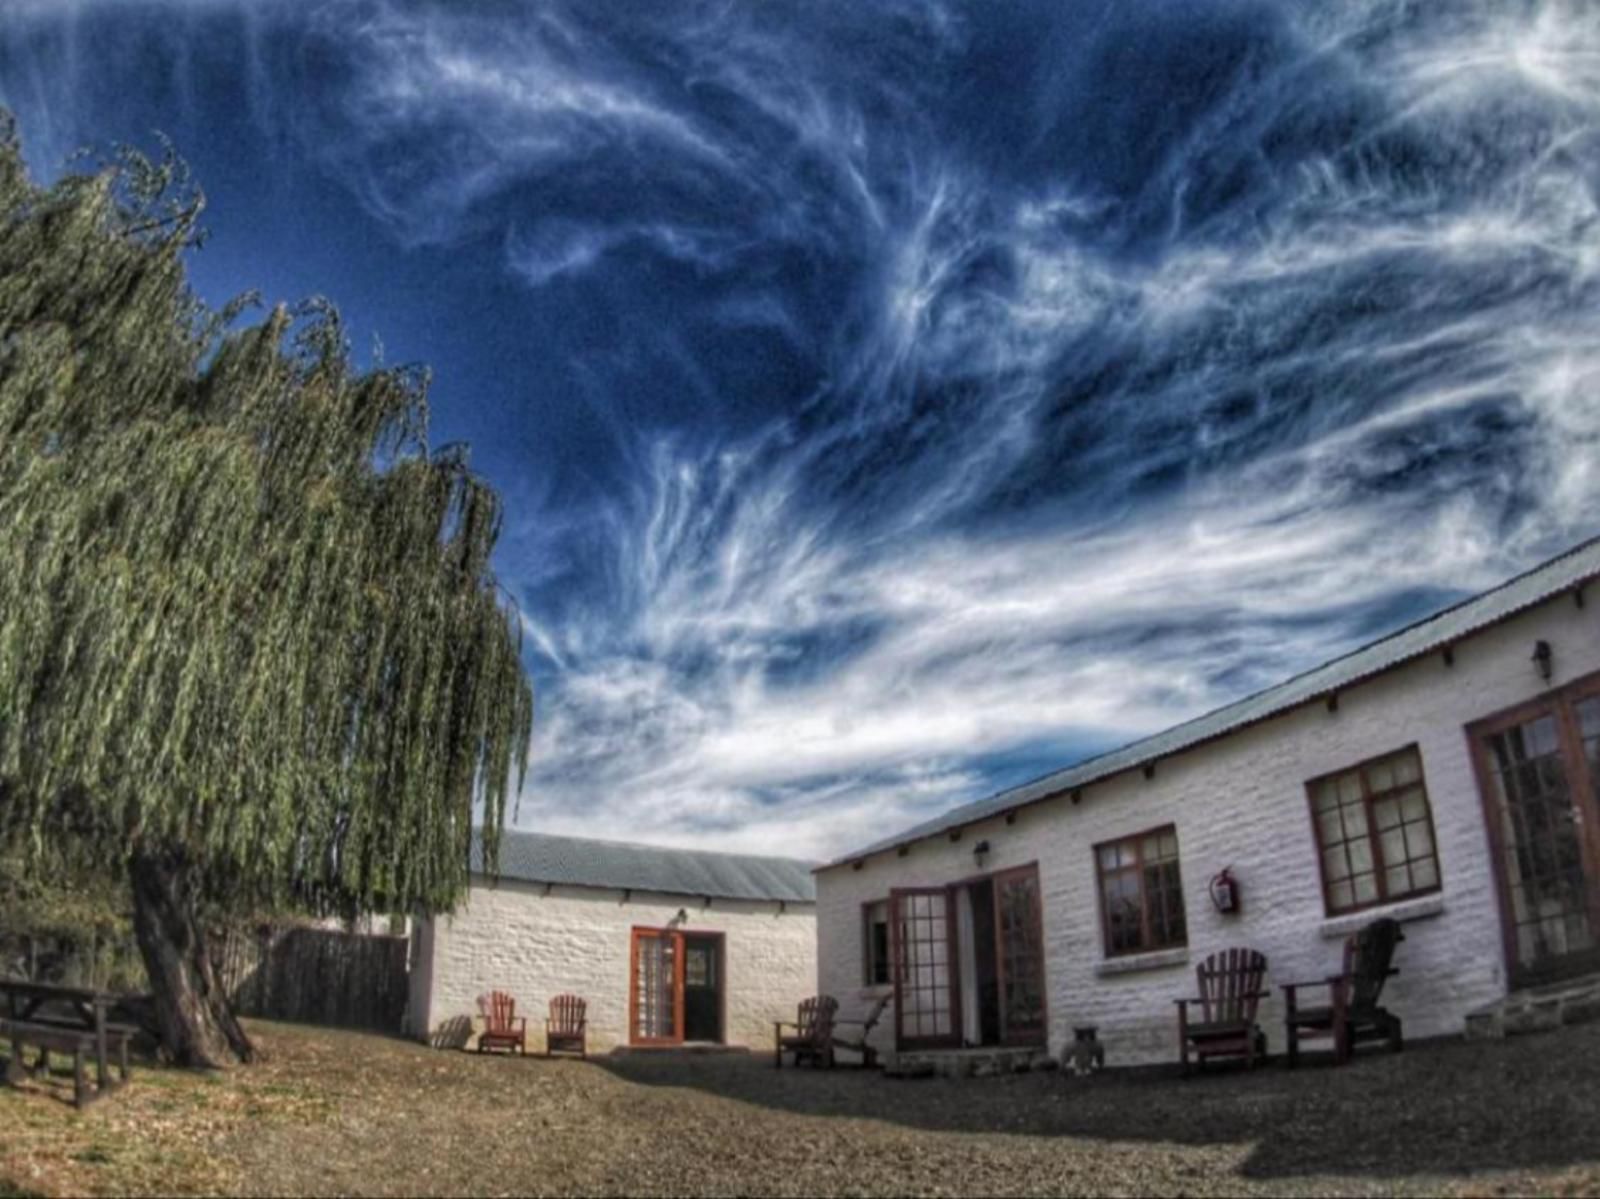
344, 1113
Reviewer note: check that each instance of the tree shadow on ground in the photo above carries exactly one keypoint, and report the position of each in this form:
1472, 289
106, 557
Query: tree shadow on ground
1446, 1108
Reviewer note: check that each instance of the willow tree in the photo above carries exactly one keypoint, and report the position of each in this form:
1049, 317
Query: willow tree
252, 653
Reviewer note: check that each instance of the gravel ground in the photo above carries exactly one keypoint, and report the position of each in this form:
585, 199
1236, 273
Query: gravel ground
336, 1113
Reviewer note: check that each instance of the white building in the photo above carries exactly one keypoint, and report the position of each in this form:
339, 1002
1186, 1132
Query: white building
668, 946
1447, 775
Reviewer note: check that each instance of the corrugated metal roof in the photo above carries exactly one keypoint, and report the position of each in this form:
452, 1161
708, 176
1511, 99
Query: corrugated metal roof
579, 862
1428, 635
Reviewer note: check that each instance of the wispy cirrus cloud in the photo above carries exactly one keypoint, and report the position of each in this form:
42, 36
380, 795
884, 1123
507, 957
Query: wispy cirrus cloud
1053, 375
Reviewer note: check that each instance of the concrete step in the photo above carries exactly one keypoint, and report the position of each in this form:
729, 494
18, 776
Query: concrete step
1536, 1009
967, 1063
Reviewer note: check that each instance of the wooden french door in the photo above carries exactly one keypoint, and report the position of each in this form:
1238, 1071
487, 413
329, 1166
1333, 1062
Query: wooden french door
655, 996
927, 1003
1019, 947
1539, 771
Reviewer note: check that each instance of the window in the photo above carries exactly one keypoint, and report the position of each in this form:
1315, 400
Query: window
875, 942
1374, 833
1141, 892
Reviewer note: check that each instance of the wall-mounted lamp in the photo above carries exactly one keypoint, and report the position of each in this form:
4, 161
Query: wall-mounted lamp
980, 851
681, 918
1542, 659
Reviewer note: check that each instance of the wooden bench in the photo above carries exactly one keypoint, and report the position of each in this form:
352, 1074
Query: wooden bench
82, 1044
70, 1011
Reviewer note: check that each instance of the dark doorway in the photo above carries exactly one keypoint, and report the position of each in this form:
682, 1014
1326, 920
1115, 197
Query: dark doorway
702, 989
983, 961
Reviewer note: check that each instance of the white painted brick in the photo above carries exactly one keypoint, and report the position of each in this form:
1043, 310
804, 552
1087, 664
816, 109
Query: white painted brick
514, 938
1241, 802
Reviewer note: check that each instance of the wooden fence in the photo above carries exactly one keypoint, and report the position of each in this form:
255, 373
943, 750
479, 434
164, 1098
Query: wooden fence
316, 976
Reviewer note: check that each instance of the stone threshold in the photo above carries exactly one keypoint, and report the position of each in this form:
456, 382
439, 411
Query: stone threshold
986, 1061
1536, 1009
687, 1047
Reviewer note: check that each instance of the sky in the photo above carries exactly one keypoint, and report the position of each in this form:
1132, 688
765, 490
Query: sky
895, 400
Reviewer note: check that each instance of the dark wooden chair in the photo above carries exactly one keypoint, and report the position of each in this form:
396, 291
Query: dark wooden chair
1230, 991
812, 1039
567, 1028
502, 1027
1352, 1012
856, 1040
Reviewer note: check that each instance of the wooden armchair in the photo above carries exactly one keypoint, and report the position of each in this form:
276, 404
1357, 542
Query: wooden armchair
1352, 1012
857, 1039
812, 1038
502, 1027
567, 1029
1230, 985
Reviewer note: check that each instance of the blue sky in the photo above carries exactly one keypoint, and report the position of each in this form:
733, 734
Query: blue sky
898, 400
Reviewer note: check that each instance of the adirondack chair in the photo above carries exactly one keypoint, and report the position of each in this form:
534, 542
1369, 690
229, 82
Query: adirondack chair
812, 1038
1352, 1012
1230, 983
856, 1040
567, 1028
502, 1027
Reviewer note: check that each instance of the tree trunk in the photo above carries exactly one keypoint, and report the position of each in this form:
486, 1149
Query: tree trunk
198, 1027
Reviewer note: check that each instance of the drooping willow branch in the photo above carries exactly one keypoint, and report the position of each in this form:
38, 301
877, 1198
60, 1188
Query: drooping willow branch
246, 618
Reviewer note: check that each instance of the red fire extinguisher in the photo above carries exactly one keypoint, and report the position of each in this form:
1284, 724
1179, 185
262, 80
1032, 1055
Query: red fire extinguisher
1225, 891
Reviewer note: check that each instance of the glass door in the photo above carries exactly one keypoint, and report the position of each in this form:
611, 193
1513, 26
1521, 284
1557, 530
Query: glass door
922, 942
1019, 942
1540, 768
655, 999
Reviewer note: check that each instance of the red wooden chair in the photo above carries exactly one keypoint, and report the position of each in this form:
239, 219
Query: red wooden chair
812, 1039
502, 1027
567, 1028
1352, 1013
1230, 991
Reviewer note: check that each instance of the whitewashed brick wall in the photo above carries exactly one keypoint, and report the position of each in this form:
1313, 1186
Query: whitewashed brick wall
517, 939
1241, 802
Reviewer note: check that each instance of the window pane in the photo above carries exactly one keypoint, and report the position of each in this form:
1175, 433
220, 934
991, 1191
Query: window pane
1350, 788
1335, 866
1381, 776
1366, 888
1360, 856
1355, 820
1327, 796
1407, 767
1397, 881
1169, 845
1413, 806
1386, 813
1419, 840
1151, 848
1394, 847
1425, 874
1340, 896
1108, 857
1331, 828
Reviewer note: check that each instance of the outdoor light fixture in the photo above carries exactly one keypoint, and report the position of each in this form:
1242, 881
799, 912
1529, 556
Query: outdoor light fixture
1542, 655
682, 917
978, 850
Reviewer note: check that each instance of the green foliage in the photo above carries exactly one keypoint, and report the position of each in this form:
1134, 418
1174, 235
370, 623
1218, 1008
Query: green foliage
247, 620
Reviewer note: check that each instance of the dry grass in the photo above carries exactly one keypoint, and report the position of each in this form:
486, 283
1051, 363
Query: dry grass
333, 1113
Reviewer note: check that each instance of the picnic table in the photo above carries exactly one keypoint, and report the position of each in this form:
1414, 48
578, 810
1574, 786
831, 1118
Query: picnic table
72, 1020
